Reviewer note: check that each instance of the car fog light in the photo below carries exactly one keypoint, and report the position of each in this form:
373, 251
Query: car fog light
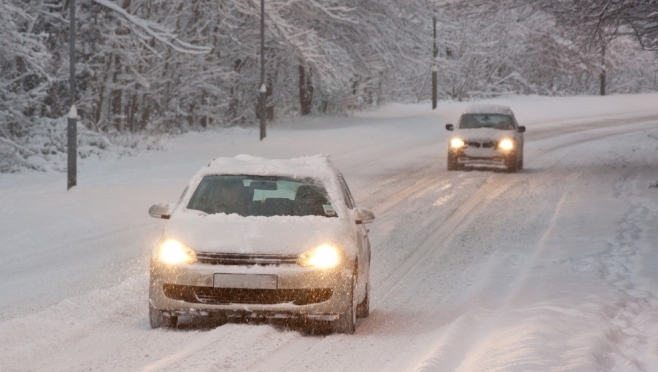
506, 144
174, 252
456, 143
324, 257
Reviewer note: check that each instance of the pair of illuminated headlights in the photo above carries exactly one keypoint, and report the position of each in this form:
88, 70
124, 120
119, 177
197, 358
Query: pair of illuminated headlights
505, 144
173, 252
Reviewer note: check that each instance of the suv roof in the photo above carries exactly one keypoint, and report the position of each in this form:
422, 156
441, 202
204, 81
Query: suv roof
488, 109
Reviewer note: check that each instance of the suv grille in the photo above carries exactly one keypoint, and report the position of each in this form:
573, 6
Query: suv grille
245, 259
227, 296
486, 145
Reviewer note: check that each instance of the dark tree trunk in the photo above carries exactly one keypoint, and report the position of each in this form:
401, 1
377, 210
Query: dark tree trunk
101, 94
146, 114
305, 90
269, 109
603, 71
115, 98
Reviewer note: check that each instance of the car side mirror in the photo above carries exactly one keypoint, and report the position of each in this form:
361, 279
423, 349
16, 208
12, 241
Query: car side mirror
161, 210
450, 127
362, 215
521, 129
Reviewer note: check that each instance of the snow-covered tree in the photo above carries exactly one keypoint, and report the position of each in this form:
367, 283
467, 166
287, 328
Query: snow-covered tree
170, 66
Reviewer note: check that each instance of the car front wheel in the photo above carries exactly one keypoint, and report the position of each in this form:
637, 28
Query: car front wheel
512, 163
453, 164
346, 322
158, 319
363, 309
521, 163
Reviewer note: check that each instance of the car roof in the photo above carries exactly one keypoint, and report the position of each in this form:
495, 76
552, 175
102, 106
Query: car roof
488, 109
317, 166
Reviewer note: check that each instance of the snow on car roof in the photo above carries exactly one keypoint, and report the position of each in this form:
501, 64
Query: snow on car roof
317, 166
488, 109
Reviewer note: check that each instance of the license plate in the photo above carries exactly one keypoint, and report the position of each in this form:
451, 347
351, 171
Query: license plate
245, 281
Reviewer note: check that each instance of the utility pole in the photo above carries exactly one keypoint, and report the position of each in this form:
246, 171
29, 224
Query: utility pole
72, 135
435, 53
263, 88
603, 70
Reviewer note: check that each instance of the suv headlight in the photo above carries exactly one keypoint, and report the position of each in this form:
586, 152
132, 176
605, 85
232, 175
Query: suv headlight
323, 257
506, 144
457, 143
174, 252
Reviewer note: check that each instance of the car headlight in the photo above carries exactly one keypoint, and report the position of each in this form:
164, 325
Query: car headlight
174, 252
323, 257
506, 144
457, 143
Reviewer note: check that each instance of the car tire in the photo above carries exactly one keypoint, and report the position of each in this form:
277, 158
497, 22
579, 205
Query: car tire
158, 319
513, 163
521, 163
363, 309
317, 327
346, 322
453, 164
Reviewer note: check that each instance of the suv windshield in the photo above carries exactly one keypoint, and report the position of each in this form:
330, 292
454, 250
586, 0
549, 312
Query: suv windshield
494, 121
261, 196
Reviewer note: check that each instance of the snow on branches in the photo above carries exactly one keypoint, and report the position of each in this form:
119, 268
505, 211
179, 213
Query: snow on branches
152, 67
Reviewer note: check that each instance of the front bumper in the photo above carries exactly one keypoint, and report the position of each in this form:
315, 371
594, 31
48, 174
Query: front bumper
300, 292
482, 157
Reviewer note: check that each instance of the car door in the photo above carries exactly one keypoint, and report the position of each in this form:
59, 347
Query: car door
363, 244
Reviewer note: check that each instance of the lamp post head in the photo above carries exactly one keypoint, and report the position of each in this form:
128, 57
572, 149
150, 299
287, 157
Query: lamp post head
73, 112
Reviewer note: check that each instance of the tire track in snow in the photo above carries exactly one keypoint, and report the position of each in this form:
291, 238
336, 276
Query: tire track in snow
439, 238
572, 127
436, 241
193, 347
284, 355
632, 319
492, 187
476, 334
621, 319
290, 351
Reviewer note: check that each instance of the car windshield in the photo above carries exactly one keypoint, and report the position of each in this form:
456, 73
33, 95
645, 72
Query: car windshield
494, 121
261, 196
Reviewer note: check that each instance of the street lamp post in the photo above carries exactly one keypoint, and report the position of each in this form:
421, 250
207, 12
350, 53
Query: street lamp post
73, 112
435, 53
263, 88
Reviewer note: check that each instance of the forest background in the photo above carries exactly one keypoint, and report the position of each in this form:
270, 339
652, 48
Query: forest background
152, 68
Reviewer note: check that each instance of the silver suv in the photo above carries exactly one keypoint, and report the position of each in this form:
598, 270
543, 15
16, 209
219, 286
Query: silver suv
487, 135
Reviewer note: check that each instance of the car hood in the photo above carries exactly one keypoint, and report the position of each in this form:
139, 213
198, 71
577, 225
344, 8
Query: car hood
258, 235
484, 134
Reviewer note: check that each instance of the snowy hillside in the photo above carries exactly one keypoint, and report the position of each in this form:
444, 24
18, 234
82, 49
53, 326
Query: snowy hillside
549, 269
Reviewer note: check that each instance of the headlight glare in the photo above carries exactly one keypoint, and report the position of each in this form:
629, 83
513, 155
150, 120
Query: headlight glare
506, 144
457, 143
323, 257
174, 252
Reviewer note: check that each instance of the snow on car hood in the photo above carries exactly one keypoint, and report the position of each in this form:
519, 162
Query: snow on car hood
265, 235
484, 134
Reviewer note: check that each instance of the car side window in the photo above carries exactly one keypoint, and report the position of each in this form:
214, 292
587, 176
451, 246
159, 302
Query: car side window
349, 201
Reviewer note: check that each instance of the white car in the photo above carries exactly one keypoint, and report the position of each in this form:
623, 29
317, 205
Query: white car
487, 135
264, 238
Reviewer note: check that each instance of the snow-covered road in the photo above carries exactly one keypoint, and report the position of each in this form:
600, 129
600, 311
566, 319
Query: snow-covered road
550, 269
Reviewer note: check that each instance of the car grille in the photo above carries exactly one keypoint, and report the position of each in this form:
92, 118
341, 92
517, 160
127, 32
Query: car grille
477, 144
245, 259
227, 296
